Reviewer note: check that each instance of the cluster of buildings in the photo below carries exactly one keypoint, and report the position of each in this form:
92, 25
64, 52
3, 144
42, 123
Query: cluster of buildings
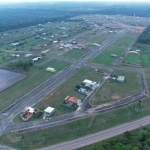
135, 52
36, 113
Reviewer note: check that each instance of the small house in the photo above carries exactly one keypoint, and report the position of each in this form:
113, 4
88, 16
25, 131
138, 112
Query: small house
49, 110
121, 78
50, 69
89, 83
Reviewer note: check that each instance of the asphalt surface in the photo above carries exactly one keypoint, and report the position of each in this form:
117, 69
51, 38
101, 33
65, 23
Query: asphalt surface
99, 136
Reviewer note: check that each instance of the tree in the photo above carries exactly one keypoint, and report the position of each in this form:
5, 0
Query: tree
43, 134
23, 137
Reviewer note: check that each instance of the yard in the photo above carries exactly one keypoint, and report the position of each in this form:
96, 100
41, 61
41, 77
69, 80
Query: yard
113, 90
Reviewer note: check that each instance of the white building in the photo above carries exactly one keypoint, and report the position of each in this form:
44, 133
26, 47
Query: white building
50, 69
121, 78
89, 83
49, 110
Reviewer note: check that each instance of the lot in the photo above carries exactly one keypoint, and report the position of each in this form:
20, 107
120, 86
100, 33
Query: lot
114, 90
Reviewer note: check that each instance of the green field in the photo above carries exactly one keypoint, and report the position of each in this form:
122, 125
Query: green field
132, 58
114, 90
104, 57
36, 76
124, 41
75, 54
55, 98
143, 57
53, 135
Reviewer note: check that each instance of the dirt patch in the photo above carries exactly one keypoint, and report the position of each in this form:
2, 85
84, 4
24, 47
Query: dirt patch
115, 97
13, 138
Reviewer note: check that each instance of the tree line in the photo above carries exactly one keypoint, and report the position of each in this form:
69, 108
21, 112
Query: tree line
27, 14
130, 140
144, 38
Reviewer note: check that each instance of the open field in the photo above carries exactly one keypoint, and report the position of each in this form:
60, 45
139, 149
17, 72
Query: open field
132, 58
74, 54
143, 57
105, 58
55, 98
114, 90
124, 41
36, 76
49, 136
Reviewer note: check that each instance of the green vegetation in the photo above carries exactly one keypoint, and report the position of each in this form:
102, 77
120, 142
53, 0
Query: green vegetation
113, 90
36, 76
144, 38
133, 58
55, 98
76, 129
130, 140
75, 54
105, 58
143, 57
124, 41
117, 48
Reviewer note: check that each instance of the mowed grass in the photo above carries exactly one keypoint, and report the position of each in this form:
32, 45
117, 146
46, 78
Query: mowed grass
36, 76
114, 90
104, 57
143, 57
76, 129
74, 54
124, 41
132, 58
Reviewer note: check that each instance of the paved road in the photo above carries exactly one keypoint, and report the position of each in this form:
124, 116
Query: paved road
99, 136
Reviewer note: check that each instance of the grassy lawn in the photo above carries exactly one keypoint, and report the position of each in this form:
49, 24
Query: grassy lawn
55, 98
100, 38
132, 58
73, 130
114, 90
124, 41
104, 57
36, 76
75, 54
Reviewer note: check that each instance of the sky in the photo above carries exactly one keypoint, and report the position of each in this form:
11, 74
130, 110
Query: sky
4, 1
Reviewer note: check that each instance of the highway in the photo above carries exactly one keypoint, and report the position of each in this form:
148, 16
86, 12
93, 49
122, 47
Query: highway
99, 136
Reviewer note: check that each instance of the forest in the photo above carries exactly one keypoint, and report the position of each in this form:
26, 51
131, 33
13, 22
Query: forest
131, 140
144, 38
14, 16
